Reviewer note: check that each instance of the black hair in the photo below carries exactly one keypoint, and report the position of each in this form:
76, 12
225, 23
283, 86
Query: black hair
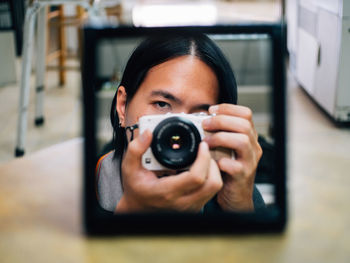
158, 49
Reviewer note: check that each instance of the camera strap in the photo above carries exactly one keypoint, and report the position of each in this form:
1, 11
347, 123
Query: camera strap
131, 129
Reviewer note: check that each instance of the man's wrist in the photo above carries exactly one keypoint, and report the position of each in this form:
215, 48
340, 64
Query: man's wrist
226, 205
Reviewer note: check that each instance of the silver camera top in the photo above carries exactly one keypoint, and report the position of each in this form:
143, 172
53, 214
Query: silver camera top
150, 121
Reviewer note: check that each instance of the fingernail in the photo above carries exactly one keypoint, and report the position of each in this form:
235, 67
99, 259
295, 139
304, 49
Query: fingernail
206, 139
213, 109
206, 123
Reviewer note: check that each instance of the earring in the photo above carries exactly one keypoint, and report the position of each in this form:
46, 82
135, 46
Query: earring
120, 125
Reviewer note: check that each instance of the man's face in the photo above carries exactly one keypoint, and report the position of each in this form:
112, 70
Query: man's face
183, 84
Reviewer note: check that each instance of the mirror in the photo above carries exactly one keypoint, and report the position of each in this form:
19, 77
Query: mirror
251, 53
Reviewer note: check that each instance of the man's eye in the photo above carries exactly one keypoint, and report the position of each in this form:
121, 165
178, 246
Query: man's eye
162, 104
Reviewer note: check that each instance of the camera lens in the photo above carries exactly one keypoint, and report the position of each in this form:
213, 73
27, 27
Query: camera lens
175, 142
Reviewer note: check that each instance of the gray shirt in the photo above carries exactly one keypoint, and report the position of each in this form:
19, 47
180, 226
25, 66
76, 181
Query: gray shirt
109, 185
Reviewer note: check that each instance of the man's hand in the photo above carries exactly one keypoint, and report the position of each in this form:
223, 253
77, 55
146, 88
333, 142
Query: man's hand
187, 191
234, 129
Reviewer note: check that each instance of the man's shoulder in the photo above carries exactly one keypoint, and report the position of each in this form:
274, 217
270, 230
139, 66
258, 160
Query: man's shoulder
108, 181
107, 164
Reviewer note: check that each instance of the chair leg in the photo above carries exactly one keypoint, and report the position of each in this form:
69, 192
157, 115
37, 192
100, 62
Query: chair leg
62, 47
40, 66
25, 78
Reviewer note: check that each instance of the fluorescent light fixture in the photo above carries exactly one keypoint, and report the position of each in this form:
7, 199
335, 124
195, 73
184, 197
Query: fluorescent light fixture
154, 15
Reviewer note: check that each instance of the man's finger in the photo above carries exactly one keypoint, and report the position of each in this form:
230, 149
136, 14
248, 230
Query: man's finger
238, 142
211, 187
137, 148
233, 110
194, 178
228, 123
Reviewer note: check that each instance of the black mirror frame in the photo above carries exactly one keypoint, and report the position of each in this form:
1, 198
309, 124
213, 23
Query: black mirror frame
98, 222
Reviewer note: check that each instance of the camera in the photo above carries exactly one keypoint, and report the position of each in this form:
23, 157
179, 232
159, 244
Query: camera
176, 137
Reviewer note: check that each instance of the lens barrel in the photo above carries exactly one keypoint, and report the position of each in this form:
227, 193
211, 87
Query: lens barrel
175, 142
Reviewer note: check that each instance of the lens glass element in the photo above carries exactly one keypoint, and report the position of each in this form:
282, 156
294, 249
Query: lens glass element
175, 142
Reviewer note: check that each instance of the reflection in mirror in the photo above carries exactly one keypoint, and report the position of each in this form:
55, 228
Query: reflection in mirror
251, 60
182, 84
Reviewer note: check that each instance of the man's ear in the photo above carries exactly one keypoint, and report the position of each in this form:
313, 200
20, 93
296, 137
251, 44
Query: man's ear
121, 105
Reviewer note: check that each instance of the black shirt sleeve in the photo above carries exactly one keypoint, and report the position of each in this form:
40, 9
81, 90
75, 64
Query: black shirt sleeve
259, 204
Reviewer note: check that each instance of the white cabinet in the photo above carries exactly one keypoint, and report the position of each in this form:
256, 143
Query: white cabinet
322, 53
343, 97
306, 60
332, 6
327, 59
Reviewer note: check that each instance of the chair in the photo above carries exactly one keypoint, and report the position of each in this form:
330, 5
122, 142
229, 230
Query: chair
37, 11
57, 19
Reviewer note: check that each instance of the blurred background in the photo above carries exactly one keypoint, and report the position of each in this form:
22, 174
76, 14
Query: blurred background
61, 104
318, 113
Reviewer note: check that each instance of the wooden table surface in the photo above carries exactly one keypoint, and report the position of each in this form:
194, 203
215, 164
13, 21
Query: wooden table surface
40, 221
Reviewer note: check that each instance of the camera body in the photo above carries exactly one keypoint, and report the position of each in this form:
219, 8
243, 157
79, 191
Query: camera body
176, 137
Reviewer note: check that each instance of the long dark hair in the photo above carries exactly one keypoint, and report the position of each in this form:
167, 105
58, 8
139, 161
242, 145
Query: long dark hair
156, 50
